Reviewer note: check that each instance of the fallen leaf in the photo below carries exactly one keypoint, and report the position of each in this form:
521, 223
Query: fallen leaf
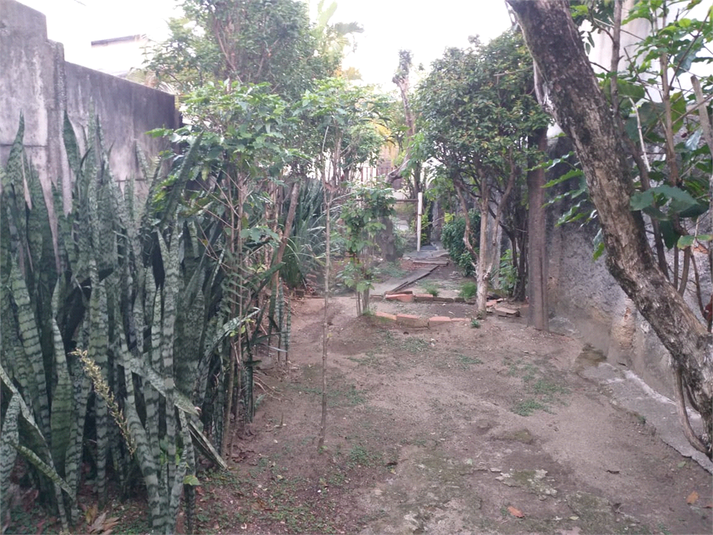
692, 498
515, 512
709, 506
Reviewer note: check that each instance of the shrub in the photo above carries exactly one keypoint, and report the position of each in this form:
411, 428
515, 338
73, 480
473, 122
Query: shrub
452, 238
508, 273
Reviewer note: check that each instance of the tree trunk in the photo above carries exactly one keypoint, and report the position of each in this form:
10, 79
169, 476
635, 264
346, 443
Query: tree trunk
484, 255
537, 242
583, 113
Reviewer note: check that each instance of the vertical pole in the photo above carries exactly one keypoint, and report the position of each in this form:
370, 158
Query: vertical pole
418, 221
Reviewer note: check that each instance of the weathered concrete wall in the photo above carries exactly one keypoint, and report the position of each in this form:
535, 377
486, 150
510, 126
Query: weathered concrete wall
586, 302
36, 81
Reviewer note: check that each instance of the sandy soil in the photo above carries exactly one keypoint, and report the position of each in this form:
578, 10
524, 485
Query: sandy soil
447, 430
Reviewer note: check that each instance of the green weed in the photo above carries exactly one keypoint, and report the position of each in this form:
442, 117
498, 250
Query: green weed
465, 360
528, 406
468, 290
431, 288
415, 345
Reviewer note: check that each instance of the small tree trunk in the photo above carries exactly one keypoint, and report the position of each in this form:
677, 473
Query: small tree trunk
537, 242
484, 256
325, 319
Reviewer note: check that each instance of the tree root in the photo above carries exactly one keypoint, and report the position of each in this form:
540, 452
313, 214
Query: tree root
690, 435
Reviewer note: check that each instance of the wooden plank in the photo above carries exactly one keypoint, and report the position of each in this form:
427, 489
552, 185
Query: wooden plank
394, 285
430, 262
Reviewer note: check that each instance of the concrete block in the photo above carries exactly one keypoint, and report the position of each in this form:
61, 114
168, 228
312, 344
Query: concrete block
435, 321
507, 312
385, 316
409, 320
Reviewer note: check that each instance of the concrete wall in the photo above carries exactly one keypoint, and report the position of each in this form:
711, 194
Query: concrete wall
36, 81
587, 303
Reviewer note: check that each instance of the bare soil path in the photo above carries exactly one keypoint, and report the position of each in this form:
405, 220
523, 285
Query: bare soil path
447, 430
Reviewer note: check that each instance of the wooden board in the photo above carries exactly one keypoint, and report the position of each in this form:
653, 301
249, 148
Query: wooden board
394, 285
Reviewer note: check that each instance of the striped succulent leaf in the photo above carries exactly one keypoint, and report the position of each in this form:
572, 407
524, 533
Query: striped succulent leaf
42, 458
98, 346
30, 338
62, 413
168, 322
9, 436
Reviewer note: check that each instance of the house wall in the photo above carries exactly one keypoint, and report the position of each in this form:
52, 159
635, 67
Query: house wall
38, 83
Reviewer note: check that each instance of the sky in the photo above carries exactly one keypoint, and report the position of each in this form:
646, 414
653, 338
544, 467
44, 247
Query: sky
425, 27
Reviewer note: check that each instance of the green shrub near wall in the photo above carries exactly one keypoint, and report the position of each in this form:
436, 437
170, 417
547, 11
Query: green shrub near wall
452, 239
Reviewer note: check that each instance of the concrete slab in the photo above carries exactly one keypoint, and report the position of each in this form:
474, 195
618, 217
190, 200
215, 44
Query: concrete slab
631, 393
435, 321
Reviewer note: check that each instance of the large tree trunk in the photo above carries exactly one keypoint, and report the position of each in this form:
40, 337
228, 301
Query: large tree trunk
583, 113
537, 242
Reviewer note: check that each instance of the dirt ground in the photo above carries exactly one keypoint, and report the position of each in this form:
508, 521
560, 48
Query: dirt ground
447, 430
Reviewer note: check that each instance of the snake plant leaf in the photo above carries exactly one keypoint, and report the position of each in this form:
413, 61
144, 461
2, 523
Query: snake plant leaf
63, 396
228, 328
168, 322
44, 465
146, 372
178, 182
30, 338
97, 350
81, 389
13, 187
8, 436
206, 446
71, 146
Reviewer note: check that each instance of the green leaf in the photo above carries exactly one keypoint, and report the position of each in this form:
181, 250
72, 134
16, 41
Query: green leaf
686, 241
190, 479
642, 199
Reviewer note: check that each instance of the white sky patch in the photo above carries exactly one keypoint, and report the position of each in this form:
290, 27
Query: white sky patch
424, 27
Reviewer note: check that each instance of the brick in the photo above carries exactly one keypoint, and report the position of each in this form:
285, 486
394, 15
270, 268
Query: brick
409, 320
460, 319
435, 321
404, 298
424, 297
385, 316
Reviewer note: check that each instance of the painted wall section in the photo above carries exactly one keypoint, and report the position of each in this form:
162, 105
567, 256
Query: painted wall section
38, 83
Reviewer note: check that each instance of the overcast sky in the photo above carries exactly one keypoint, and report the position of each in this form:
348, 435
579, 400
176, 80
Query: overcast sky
425, 27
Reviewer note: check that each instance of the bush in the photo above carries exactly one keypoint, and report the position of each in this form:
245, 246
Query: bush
452, 238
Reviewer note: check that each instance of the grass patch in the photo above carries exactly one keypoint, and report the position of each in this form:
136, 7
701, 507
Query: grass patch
337, 397
528, 406
391, 270
465, 361
431, 288
370, 359
468, 290
415, 345
543, 391
358, 455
